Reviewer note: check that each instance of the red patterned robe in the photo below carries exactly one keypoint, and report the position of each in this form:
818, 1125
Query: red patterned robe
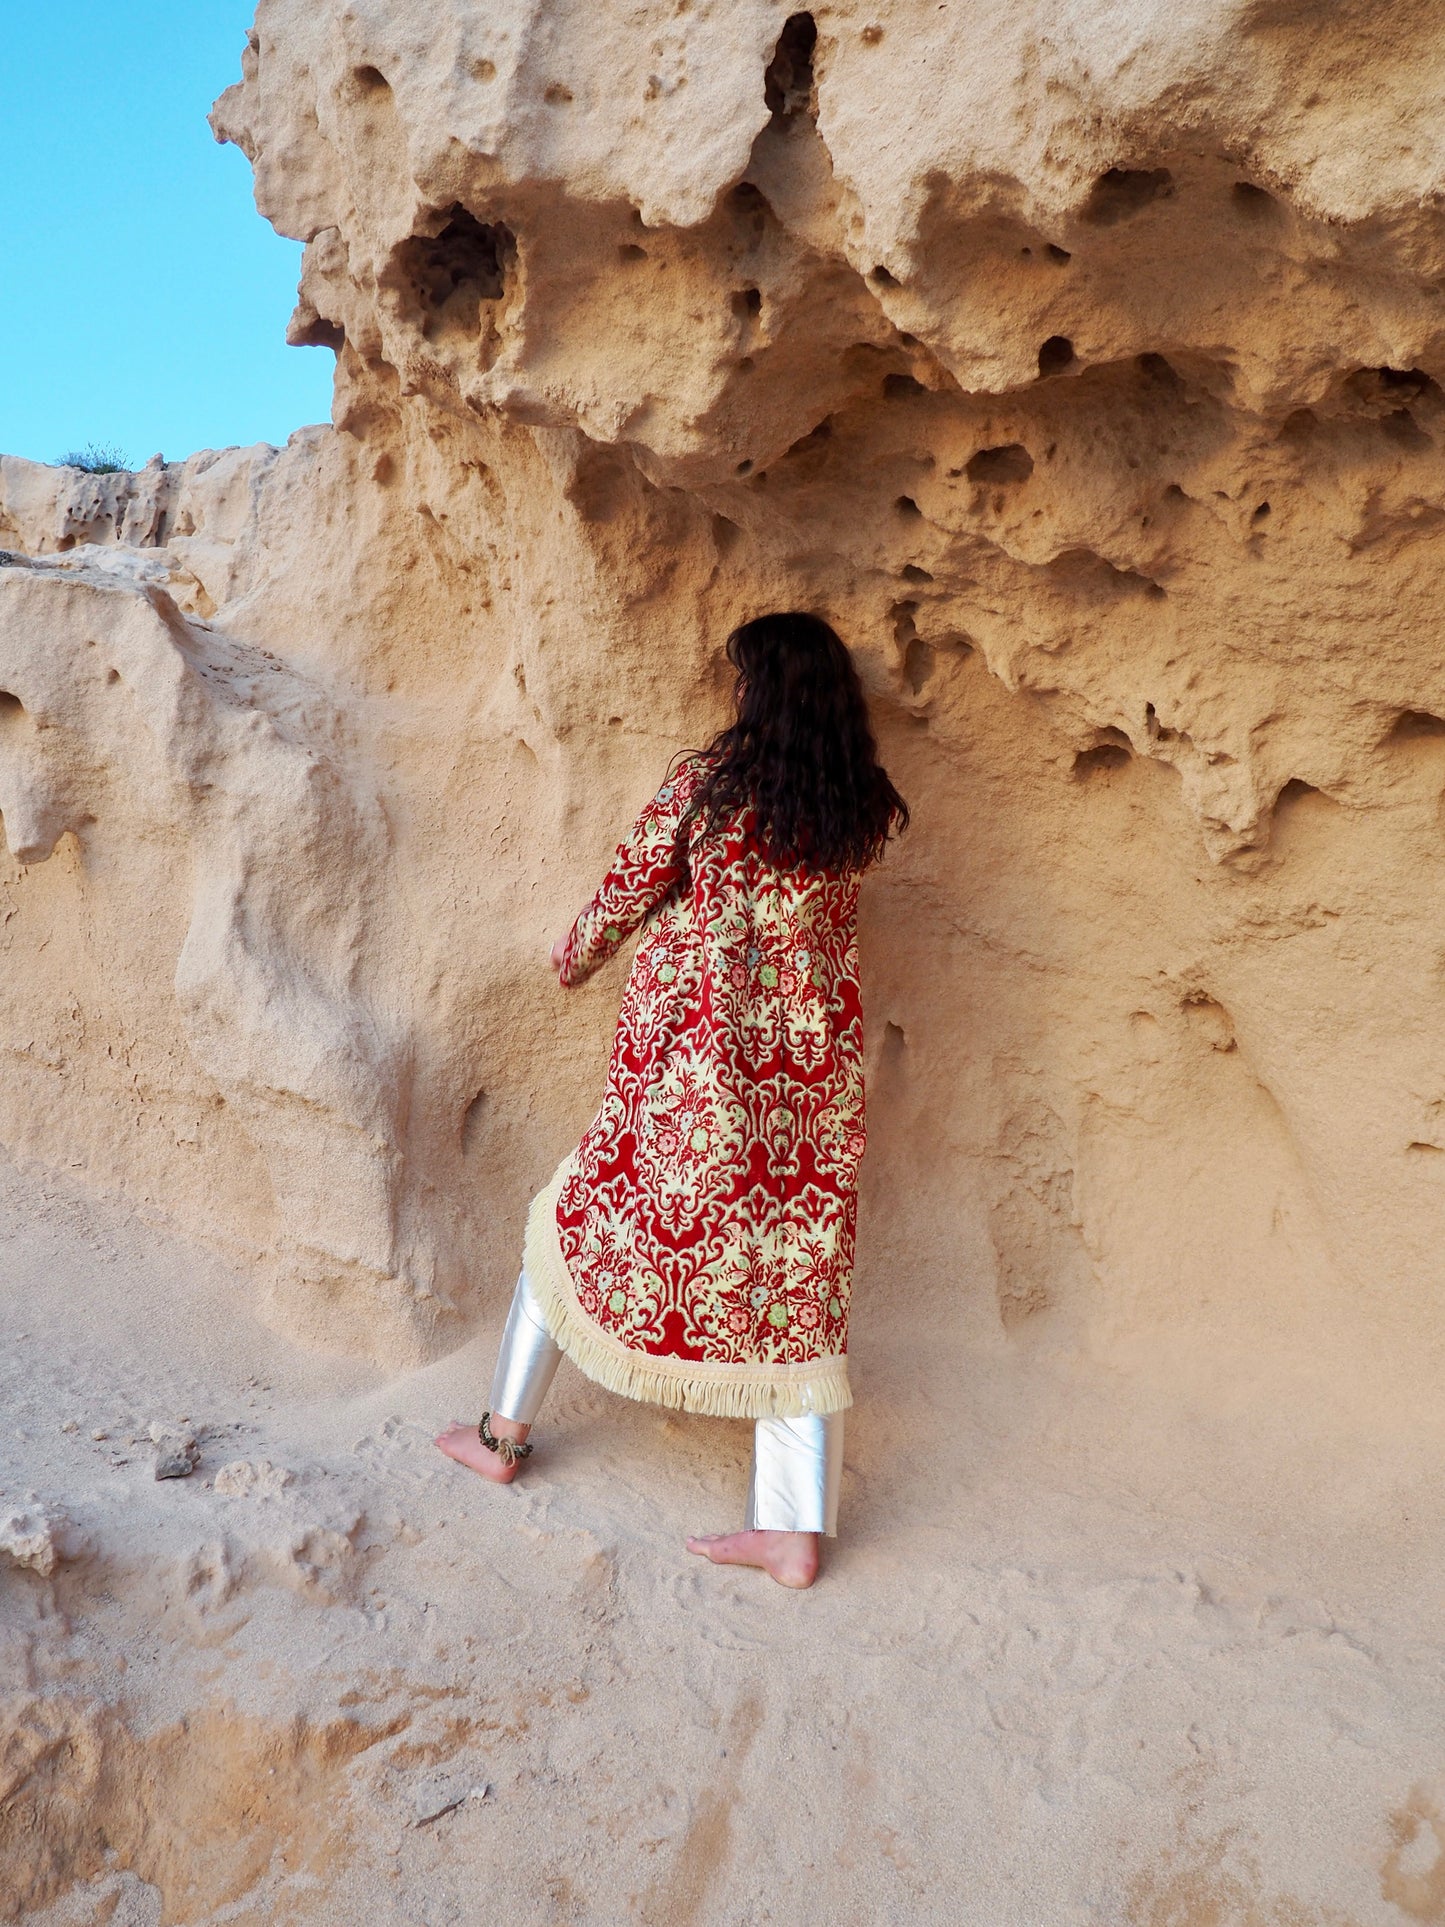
696, 1249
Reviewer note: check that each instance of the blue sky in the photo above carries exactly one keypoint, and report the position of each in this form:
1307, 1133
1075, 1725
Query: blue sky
143, 300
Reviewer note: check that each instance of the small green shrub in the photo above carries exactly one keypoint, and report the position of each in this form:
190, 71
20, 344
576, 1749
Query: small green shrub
96, 458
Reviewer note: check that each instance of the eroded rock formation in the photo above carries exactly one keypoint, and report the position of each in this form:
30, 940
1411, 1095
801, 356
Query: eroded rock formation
1082, 366
1083, 363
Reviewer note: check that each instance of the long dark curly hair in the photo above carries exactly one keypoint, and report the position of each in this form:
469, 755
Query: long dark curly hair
800, 751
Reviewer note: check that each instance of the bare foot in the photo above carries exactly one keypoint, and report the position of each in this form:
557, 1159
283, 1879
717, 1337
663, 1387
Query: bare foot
460, 1442
789, 1557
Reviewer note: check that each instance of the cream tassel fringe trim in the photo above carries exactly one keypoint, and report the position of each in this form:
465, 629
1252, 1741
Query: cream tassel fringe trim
717, 1391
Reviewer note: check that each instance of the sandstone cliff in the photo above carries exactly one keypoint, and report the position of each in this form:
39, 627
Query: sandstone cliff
1080, 368
1083, 363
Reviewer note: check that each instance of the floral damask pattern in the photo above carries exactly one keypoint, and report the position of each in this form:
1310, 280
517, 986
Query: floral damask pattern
709, 1212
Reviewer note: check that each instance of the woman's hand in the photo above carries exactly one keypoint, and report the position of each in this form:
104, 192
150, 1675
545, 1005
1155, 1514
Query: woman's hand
558, 951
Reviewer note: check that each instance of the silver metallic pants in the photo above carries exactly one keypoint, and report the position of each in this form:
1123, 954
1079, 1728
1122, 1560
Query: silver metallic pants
797, 1462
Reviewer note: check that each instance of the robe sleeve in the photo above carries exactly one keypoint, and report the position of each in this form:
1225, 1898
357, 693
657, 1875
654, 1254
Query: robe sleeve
643, 871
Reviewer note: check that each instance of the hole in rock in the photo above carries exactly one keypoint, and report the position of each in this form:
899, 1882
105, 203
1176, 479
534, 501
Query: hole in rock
1380, 391
1159, 369
745, 364
630, 251
904, 629
1113, 753
1260, 513
1010, 463
918, 664
746, 302
1252, 201
1293, 790
370, 80
1057, 253
1124, 191
870, 36
1056, 354
1399, 384
601, 485
881, 277
912, 573
751, 215
472, 1121
788, 82
557, 95
1419, 1145
1414, 723
896, 387
724, 534
10, 706
484, 69
457, 269
1209, 1020
1401, 427
815, 438
1158, 733
112, 675
908, 341
66, 542
744, 468
908, 508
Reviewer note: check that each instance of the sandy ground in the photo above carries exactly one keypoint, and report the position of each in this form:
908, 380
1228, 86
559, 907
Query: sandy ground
1083, 1654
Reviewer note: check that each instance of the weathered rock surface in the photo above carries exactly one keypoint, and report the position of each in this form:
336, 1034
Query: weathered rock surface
241, 1479
1084, 370
38, 1536
176, 1452
1084, 364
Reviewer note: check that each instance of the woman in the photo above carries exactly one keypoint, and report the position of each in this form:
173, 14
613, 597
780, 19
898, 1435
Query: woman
696, 1250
